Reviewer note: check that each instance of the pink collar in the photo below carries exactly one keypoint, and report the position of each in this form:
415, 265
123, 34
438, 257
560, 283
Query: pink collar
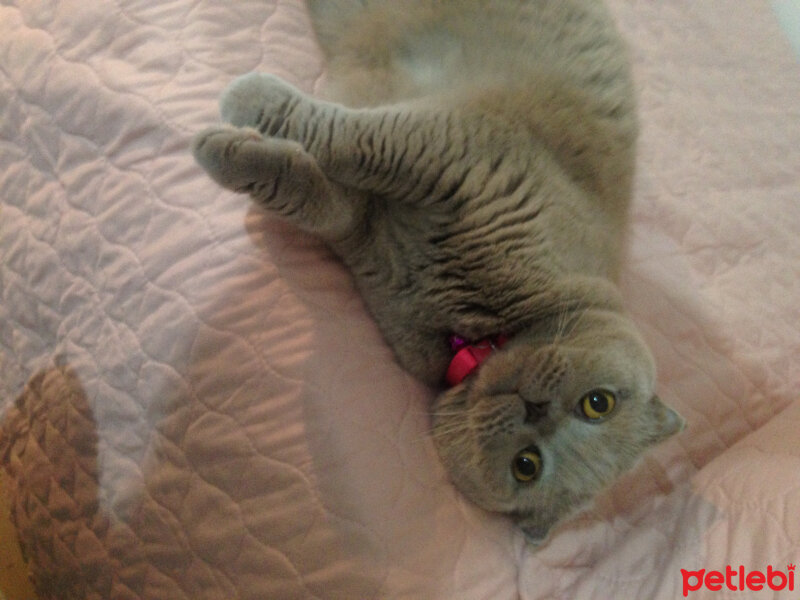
468, 357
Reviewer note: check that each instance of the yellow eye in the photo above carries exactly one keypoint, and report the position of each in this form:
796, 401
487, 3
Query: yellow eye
527, 465
597, 404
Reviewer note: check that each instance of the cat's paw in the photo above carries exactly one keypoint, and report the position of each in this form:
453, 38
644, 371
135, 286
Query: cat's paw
257, 99
217, 150
240, 159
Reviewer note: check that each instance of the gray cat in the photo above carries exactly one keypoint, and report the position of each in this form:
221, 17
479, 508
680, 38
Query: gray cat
474, 173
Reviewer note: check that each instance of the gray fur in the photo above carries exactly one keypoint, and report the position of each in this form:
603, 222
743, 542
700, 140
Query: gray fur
473, 169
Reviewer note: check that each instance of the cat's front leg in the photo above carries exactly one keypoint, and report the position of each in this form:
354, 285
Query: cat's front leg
415, 151
279, 175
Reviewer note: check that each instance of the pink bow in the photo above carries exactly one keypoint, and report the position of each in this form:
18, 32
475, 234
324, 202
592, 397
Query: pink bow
468, 356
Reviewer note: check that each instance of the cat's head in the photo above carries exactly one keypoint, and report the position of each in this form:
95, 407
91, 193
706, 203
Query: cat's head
552, 418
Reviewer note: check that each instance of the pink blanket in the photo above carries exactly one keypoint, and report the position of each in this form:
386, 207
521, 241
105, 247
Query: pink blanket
205, 410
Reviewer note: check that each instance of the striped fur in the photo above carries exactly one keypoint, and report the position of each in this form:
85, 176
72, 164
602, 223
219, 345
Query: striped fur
472, 166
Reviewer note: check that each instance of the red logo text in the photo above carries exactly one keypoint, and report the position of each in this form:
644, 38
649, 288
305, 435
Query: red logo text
738, 580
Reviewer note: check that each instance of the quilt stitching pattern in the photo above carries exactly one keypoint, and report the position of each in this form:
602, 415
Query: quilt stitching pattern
196, 405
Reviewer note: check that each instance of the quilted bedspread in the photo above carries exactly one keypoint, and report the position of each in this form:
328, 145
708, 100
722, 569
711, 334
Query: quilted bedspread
194, 403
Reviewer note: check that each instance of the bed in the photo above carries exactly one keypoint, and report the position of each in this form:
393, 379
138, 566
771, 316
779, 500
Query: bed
195, 403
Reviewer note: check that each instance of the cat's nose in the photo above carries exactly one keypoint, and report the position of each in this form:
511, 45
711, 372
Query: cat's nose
535, 410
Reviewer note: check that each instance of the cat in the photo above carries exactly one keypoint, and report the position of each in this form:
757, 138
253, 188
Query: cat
473, 166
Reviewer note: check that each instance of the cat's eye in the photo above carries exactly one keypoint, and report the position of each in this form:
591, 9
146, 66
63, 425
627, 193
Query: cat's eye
527, 465
597, 404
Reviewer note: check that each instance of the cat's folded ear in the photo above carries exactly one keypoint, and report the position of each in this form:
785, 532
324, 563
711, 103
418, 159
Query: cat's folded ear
667, 421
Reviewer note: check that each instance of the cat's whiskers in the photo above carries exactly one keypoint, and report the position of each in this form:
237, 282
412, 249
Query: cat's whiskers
568, 320
446, 413
561, 325
451, 429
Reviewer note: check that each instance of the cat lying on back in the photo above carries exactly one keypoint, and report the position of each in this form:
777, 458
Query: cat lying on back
475, 178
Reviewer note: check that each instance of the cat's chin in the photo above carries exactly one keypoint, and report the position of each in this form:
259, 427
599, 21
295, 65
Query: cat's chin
538, 531
535, 535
